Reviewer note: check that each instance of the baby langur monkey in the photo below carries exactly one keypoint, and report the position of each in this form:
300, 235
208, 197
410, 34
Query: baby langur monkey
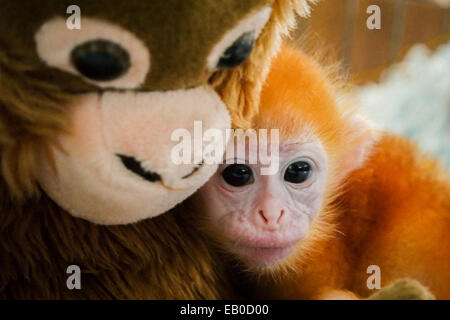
344, 201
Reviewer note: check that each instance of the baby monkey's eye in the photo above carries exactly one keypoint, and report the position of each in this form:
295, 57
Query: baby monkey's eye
238, 52
100, 60
238, 175
298, 172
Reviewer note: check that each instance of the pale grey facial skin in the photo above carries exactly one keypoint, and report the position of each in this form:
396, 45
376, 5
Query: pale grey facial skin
262, 221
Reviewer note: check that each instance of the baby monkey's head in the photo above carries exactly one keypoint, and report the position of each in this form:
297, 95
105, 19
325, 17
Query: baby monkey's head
262, 219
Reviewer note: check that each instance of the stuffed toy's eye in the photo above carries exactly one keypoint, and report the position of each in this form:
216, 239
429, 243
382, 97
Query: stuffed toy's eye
236, 44
238, 52
100, 60
298, 172
238, 175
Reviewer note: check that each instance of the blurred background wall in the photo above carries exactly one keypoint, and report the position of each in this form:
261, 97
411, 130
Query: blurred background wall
341, 26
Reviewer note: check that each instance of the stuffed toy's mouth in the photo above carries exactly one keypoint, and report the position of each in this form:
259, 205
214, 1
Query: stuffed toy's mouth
125, 178
136, 167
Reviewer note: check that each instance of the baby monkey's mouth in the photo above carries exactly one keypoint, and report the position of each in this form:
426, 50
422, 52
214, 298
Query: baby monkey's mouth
136, 167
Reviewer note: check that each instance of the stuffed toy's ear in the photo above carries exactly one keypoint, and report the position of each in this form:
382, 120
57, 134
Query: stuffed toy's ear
403, 289
240, 88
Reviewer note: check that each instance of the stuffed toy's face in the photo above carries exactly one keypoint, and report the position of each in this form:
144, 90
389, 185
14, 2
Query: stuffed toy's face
134, 72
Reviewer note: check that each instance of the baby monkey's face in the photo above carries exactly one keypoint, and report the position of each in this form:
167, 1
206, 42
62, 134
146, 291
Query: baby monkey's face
261, 218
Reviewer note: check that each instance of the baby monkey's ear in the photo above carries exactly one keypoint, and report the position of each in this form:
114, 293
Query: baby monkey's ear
359, 141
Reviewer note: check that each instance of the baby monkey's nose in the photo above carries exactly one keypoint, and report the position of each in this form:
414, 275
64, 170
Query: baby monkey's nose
269, 219
269, 214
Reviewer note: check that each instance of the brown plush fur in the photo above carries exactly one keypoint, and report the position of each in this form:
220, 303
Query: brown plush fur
163, 258
169, 28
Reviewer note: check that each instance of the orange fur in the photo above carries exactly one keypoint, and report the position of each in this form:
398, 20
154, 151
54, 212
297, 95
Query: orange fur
393, 211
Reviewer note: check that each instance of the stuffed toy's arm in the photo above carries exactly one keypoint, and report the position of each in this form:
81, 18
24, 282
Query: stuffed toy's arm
401, 289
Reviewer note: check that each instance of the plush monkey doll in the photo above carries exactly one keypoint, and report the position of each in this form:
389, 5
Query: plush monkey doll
86, 116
